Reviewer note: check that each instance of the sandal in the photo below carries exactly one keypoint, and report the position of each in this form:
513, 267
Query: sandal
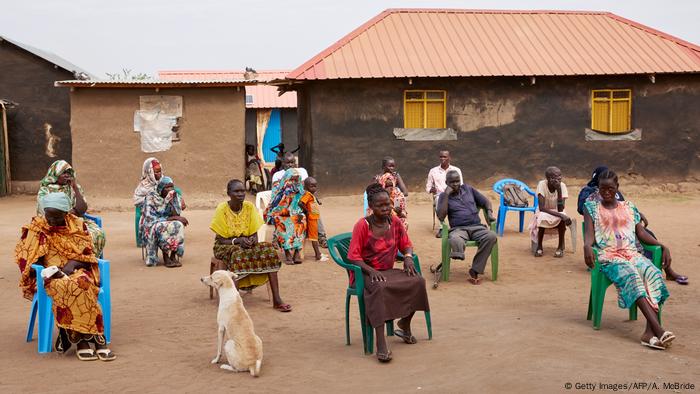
681, 280
667, 338
559, 253
407, 338
86, 354
105, 355
283, 308
289, 262
473, 277
384, 357
654, 343
539, 253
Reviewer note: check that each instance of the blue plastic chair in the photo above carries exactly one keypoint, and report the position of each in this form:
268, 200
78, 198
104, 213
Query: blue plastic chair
42, 306
97, 220
365, 205
503, 208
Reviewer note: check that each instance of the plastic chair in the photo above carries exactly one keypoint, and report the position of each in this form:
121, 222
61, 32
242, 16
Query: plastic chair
42, 306
442, 272
503, 208
262, 200
600, 283
98, 221
365, 205
338, 248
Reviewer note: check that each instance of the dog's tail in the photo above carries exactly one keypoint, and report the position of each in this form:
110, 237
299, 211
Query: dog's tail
255, 371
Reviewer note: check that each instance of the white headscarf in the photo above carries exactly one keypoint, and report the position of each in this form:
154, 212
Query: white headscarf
148, 180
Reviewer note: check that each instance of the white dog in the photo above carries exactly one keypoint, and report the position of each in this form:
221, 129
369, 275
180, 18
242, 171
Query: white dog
243, 348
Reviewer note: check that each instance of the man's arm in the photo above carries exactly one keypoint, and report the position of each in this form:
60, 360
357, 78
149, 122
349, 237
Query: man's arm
430, 184
483, 202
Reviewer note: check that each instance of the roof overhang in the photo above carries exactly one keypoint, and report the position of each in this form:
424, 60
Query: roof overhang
145, 84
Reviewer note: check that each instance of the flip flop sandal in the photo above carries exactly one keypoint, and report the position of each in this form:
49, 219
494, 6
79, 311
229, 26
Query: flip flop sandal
384, 357
283, 308
654, 343
324, 257
559, 253
667, 338
86, 354
298, 261
106, 355
539, 253
409, 339
474, 281
682, 280
289, 262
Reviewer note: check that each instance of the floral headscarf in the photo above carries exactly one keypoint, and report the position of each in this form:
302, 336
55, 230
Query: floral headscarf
148, 180
292, 186
49, 184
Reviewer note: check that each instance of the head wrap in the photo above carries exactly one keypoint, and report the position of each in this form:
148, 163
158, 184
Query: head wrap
596, 175
148, 180
57, 168
58, 201
163, 182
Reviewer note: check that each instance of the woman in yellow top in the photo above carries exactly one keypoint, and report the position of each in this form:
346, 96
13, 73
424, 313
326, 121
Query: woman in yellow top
236, 223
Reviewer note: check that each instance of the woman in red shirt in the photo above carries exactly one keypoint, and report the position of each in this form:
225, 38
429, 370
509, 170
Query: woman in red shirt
389, 293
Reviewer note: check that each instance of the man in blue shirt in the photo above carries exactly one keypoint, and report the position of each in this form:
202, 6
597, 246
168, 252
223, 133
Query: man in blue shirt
461, 204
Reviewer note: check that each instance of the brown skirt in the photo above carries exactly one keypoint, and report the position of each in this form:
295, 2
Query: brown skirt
398, 297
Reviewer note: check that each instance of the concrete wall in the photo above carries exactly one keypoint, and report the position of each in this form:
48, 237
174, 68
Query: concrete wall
506, 128
107, 152
38, 128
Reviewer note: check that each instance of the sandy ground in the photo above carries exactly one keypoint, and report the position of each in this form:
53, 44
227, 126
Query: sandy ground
525, 333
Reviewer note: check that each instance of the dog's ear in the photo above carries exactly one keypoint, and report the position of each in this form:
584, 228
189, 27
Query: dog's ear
233, 275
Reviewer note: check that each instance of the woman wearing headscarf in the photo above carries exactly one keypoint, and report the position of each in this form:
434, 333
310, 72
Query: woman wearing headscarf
162, 226
60, 178
59, 240
590, 192
150, 175
287, 216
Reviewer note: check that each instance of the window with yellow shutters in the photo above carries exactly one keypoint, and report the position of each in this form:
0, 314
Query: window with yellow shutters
424, 109
611, 110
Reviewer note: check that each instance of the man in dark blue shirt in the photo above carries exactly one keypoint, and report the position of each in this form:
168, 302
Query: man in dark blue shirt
461, 204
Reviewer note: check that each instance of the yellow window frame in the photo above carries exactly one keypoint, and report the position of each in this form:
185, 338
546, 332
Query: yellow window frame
610, 100
424, 101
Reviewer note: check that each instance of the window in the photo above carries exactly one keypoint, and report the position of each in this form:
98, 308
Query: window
611, 110
248, 99
424, 109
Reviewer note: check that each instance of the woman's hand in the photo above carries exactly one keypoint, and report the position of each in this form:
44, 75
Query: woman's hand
247, 242
408, 266
665, 257
71, 266
589, 256
180, 219
376, 276
566, 219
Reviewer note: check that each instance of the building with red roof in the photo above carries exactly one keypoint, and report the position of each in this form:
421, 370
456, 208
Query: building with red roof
508, 93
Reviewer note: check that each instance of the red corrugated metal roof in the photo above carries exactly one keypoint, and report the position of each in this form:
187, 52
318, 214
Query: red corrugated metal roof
263, 96
449, 43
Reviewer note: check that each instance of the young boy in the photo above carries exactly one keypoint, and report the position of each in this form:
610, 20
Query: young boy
309, 204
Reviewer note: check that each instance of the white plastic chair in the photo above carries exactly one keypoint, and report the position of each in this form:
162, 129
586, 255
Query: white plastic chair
262, 200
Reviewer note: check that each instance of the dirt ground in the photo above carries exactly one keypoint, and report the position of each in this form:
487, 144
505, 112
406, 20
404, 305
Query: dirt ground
527, 332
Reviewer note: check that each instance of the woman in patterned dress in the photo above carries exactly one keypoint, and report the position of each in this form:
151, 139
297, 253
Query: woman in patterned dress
236, 223
612, 228
59, 240
287, 216
162, 226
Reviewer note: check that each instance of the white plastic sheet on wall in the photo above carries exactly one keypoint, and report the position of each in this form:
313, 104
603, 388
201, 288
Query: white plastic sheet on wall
156, 130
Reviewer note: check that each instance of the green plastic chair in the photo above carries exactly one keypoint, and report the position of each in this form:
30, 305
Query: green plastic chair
445, 260
338, 248
600, 283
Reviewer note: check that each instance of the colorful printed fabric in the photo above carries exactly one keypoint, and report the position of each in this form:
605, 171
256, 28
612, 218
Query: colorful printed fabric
227, 223
252, 265
633, 274
397, 197
156, 230
49, 185
284, 210
74, 296
148, 181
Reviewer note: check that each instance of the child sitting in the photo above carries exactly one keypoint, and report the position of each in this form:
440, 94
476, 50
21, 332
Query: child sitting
551, 199
309, 204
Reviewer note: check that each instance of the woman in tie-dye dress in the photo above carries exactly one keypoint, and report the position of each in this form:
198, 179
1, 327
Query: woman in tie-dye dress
611, 228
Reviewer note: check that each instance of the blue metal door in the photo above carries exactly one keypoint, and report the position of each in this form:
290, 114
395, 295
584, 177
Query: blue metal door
273, 136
